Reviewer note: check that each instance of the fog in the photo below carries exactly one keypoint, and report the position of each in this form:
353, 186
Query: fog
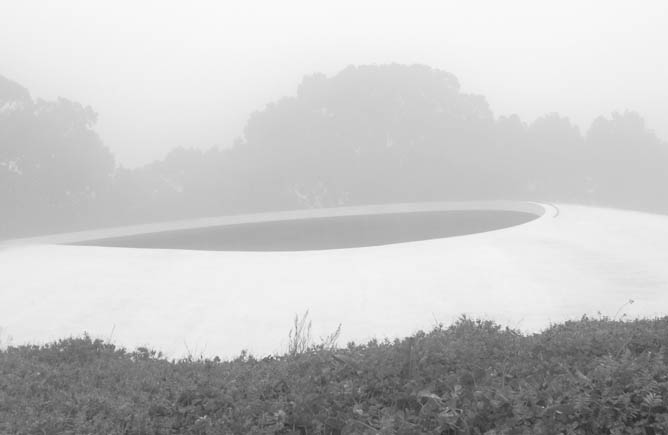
189, 175
164, 74
140, 112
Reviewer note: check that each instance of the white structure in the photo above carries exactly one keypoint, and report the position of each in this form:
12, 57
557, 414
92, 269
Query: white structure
567, 262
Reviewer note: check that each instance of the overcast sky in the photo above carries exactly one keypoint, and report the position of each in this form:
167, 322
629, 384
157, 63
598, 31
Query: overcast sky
165, 73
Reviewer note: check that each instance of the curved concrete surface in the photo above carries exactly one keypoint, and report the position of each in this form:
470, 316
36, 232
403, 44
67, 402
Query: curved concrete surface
555, 267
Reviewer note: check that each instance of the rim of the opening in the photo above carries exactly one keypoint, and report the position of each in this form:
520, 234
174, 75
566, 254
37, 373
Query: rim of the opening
535, 208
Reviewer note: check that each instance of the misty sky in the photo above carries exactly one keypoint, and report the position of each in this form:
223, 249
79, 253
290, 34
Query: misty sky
163, 73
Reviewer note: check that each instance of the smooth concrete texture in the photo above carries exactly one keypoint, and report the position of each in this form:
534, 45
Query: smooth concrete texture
570, 261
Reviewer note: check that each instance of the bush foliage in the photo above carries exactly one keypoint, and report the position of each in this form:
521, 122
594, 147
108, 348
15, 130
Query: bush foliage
592, 376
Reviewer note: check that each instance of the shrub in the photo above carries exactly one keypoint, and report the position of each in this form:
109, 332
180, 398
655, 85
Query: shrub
592, 376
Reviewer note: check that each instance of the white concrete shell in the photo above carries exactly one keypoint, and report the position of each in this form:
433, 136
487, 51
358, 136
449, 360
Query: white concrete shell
571, 260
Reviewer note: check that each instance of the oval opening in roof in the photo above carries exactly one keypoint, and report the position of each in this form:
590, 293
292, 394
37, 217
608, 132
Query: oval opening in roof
303, 233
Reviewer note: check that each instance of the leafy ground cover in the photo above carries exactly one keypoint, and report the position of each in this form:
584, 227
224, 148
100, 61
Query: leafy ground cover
592, 376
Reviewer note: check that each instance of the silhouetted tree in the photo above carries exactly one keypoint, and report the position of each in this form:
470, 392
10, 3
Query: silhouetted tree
368, 134
555, 154
54, 167
390, 133
627, 163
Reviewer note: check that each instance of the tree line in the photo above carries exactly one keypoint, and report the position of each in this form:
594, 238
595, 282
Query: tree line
369, 134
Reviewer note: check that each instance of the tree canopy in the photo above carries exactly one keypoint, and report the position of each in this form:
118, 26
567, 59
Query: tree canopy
51, 160
369, 134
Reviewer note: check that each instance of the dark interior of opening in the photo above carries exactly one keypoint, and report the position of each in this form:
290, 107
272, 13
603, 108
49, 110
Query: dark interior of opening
324, 233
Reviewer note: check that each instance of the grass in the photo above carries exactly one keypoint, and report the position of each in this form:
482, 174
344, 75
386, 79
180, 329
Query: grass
591, 376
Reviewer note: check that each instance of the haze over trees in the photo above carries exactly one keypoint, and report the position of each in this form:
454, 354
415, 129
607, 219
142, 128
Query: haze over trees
369, 134
53, 166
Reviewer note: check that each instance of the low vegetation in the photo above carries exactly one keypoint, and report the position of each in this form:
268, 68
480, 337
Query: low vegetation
592, 376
